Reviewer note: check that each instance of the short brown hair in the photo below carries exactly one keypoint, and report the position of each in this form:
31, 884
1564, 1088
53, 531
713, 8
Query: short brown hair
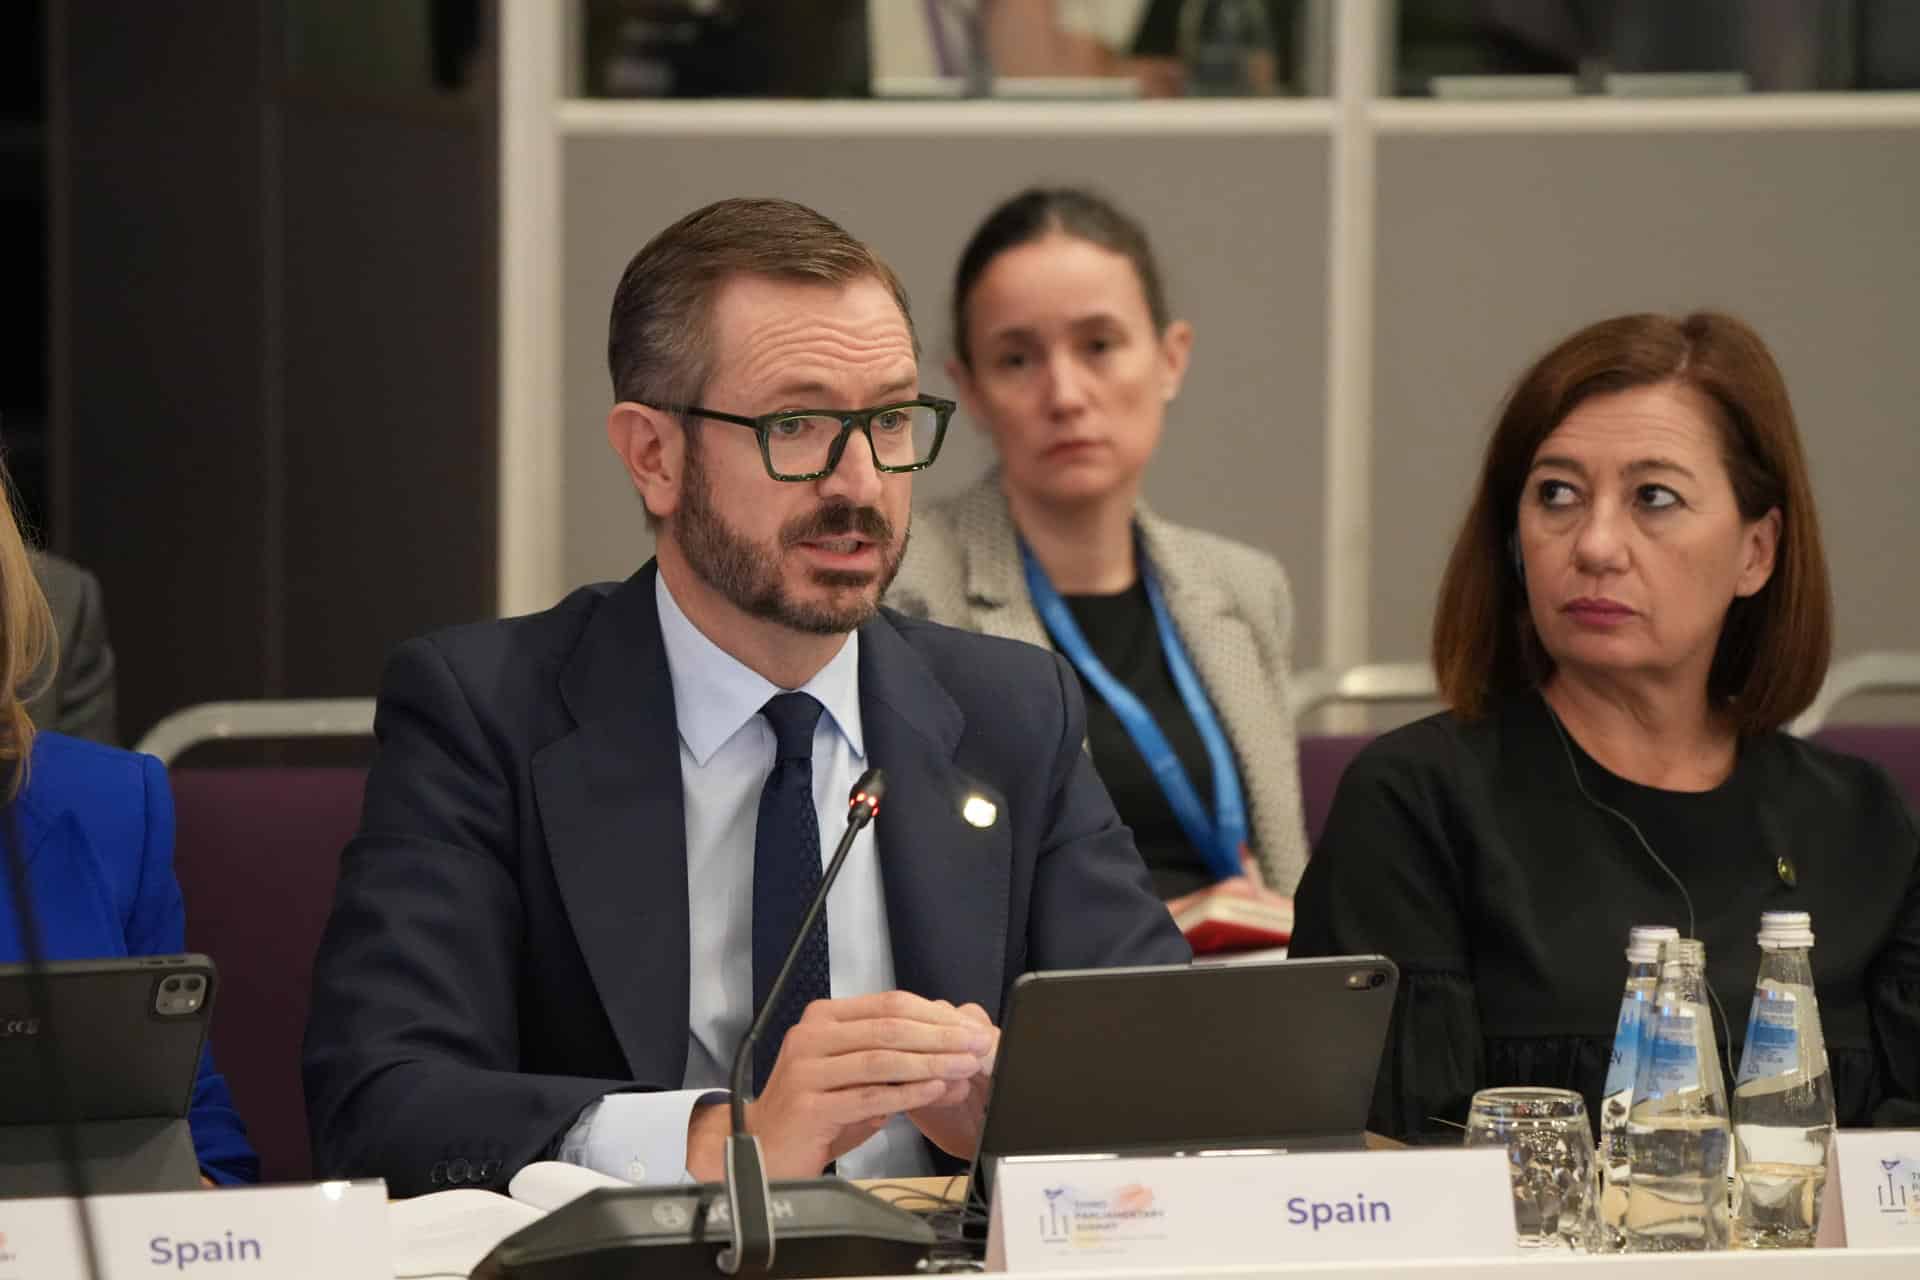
1774, 645
659, 339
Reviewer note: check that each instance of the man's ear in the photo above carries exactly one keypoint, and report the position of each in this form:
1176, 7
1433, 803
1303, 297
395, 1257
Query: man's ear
653, 444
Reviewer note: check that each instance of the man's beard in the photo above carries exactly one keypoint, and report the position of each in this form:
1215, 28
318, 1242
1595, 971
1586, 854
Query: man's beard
749, 574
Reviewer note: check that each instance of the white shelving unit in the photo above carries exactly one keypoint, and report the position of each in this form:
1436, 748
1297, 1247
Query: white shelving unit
1375, 527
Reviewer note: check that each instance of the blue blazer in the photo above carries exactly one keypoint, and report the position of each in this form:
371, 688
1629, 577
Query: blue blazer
97, 824
509, 938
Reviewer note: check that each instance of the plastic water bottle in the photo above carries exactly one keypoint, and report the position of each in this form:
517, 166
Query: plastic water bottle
1643, 977
1227, 48
1677, 1132
1783, 1096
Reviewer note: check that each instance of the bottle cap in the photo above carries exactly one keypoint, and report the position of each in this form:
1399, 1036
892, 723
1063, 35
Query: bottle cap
1783, 929
1643, 943
1683, 953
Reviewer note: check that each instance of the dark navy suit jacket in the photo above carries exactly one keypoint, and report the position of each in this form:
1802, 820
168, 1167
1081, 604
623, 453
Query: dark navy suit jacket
97, 825
510, 940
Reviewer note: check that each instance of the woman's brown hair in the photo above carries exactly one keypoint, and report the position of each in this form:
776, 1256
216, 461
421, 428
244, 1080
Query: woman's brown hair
26, 644
1774, 645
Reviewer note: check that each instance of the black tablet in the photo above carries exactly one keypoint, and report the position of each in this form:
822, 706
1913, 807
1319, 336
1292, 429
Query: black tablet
125, 1037
1275, 1055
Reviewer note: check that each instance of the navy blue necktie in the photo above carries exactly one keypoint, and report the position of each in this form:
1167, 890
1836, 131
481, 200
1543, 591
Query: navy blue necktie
786, 874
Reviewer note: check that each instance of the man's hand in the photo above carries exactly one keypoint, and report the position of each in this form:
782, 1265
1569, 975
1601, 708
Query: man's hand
844, 1070
953, 1123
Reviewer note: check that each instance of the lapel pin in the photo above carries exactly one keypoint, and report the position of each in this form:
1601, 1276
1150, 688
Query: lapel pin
979, 811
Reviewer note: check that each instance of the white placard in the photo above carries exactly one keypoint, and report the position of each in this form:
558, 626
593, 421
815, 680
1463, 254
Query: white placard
1873, 1198
1077, 1214
319, 1231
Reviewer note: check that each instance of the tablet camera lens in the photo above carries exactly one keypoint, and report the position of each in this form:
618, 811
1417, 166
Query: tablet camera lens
171, 984
1376, 979
193, 984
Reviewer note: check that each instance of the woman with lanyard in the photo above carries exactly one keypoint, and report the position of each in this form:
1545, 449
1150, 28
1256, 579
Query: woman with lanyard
1065, 353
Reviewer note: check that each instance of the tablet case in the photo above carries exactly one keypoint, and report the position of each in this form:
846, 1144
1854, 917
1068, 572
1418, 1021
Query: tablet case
1160, 1059
125, 1037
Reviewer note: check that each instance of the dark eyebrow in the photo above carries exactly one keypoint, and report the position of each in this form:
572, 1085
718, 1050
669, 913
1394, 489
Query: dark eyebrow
1012, 333
800, 389
1639, 467
1645, 465
1026, 333
821, 394
1560, 461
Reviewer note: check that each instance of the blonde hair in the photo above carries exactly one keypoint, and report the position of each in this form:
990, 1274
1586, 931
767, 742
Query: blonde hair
27, 651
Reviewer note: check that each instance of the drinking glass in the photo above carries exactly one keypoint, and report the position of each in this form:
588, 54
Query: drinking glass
1550, 1156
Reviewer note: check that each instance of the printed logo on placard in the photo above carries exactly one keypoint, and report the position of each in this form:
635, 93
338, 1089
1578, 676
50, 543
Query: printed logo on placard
1100, 1221
1898, 1195
1056, 1224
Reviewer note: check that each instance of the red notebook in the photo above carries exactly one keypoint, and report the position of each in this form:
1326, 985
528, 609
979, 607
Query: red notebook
1222, 923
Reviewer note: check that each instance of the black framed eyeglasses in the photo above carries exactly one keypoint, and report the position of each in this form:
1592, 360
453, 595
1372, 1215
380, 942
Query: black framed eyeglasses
806, 444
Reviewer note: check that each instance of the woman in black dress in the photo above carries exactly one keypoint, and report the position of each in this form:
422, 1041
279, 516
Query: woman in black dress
1636, 604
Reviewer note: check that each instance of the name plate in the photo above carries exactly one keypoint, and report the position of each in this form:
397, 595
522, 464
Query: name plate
1089, 1214
1876, 1174
320, 1231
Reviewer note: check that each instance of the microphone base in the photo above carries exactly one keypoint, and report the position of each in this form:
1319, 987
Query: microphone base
822, 1227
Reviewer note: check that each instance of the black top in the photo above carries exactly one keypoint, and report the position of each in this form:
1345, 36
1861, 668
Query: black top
1467, 854
1120, 630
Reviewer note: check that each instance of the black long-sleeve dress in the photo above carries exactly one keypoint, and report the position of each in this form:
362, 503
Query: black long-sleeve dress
1121, 631
1467, 853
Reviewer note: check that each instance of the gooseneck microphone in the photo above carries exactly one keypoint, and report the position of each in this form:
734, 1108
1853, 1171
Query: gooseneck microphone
749, 1203
828, 1227
40, 995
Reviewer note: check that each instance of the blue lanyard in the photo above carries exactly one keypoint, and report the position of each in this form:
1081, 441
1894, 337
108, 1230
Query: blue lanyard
1219, 839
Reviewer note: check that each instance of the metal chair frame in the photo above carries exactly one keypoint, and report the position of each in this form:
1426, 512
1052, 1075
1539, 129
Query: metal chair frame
262, 718
1883, 672
1316, 687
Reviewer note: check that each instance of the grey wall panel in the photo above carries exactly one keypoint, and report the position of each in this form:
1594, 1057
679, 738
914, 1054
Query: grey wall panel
166, 319
1494, 248
278, 393
391, 481
1239, 223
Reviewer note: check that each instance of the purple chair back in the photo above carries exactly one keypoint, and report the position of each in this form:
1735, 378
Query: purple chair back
1323, 758
257, 853
1894, 747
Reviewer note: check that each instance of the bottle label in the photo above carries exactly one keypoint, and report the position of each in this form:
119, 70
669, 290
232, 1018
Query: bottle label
1673, 1060
1624, 1064
1773, 1038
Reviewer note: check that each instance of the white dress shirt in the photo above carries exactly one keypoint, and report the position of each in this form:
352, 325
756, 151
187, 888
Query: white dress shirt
726, 753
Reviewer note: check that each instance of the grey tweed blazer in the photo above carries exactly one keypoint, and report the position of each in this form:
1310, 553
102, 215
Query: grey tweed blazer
1231, 603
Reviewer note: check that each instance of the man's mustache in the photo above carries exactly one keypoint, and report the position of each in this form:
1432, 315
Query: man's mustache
837, 520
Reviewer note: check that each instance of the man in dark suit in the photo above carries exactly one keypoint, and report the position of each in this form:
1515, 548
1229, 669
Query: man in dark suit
591, 832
